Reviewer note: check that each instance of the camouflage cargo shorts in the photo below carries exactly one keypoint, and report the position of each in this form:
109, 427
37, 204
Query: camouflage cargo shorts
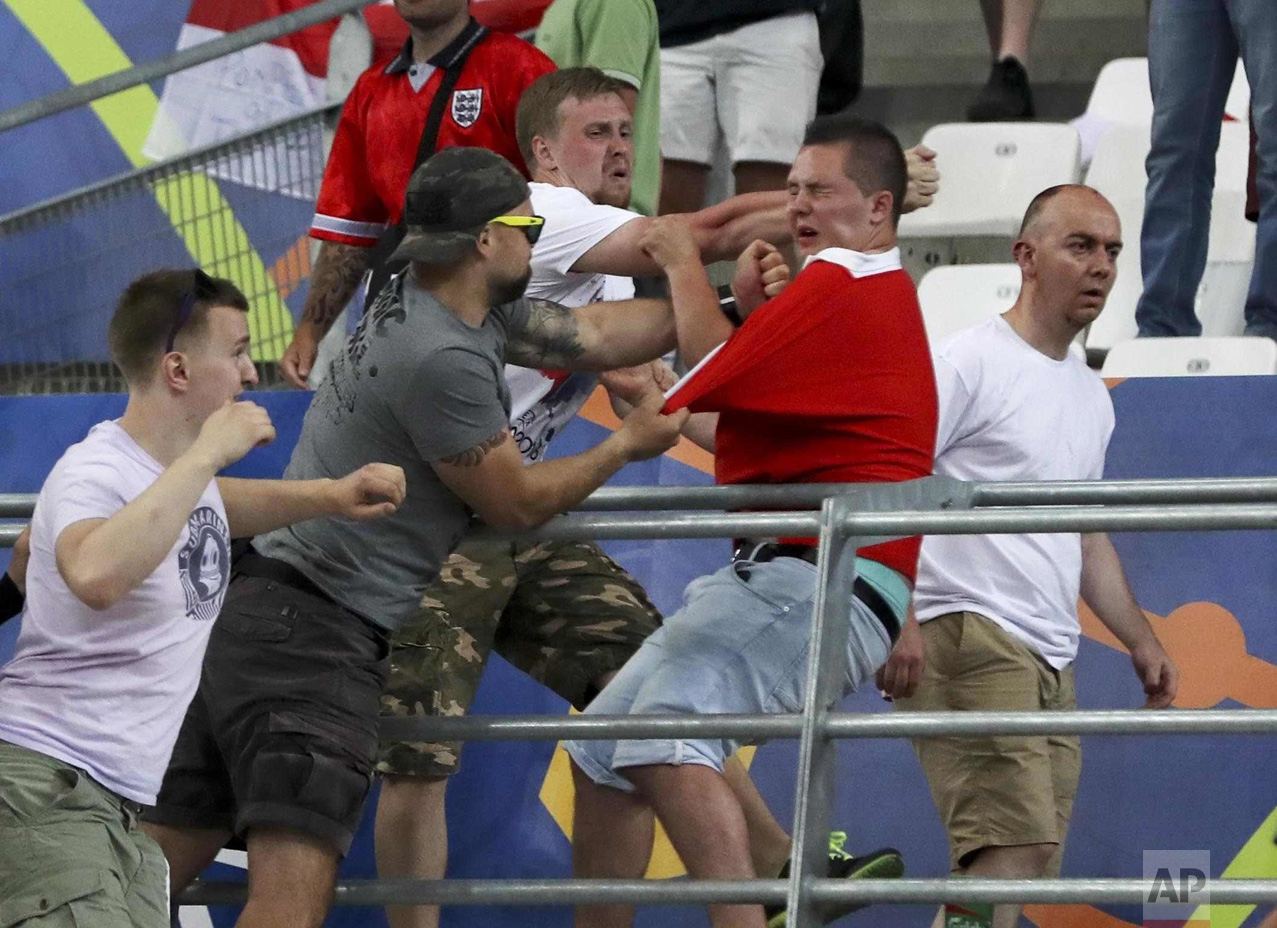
563, 613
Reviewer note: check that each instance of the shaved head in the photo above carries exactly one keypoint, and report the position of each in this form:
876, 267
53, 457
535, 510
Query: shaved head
1044, 206
1067, 250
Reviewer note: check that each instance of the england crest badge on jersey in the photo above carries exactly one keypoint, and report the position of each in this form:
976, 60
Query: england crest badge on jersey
466, 106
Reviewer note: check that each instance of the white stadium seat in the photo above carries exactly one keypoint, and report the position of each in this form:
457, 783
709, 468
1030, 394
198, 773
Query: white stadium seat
1121, 95
1121, 92
1118, 172
1191, 357
953, 298
990, 173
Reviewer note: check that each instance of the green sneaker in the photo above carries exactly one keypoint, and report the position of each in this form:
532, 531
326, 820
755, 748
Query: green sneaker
883, 864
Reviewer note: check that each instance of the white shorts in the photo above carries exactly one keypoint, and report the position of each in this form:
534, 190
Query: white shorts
757, 84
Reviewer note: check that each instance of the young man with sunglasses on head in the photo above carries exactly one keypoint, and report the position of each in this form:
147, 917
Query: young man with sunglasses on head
129, 563
281, 738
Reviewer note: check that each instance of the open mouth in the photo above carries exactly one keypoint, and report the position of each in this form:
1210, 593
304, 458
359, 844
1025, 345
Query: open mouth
805, 233
1095, 292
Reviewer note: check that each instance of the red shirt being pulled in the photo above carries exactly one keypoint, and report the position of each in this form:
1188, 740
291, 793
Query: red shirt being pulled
830, 382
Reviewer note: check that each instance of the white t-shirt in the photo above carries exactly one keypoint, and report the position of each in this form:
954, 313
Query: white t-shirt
1009, 412
542, 402
106, 691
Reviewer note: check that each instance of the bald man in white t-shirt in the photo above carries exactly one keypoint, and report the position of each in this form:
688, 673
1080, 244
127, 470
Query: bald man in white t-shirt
997, 625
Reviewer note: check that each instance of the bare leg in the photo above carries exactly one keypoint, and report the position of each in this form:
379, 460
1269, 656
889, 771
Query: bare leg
769, 844
611, 838
290, 879
1017, 862
188, 851
683, 185
1018, 17
412, 841
992, 12
706, 827
758, 176
1270, 921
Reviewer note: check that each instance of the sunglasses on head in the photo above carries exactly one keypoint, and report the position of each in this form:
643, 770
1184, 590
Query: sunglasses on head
531, 225
203, 288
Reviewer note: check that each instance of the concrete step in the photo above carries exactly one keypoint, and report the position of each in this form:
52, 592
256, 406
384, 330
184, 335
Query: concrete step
939, 42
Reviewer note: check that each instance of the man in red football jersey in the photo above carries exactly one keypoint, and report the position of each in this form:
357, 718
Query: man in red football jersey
483, 75
831, 381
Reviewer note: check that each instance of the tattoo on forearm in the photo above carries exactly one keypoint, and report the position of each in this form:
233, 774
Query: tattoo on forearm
473, 457
333, 281
551, 339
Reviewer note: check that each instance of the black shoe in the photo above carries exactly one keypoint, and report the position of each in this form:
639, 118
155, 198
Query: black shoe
884, 864
1006, 97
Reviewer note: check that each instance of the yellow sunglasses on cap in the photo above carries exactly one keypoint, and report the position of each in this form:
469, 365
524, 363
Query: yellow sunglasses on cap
531, 225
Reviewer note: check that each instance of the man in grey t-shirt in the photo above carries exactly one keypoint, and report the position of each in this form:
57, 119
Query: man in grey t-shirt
279, 741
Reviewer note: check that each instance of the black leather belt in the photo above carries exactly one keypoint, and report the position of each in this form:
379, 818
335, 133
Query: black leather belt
761, 552
252, 564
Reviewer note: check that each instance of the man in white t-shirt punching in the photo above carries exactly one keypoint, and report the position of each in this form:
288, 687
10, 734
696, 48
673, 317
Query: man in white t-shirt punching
129, 562
998, 613
564, 613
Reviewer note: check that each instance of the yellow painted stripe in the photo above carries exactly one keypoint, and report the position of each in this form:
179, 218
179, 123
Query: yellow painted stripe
1257, 860
82, 47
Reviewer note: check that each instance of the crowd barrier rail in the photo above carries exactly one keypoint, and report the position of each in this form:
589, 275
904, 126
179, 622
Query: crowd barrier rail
853, 517
264, 31
55, 308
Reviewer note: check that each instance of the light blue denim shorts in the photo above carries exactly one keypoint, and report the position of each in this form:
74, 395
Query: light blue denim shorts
738, 645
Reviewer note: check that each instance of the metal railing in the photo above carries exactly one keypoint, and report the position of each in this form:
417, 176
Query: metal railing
264, 31
240, 209
857, 517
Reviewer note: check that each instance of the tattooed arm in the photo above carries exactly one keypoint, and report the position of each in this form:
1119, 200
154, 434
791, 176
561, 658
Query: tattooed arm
333, 282
492, 479
595, 337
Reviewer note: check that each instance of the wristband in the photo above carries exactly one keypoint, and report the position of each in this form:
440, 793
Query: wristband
727, 303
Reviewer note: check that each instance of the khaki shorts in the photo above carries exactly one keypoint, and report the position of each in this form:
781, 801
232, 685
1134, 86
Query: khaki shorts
564, 613
997, 791
71, 853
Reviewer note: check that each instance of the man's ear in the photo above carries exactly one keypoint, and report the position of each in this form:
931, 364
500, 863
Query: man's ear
1025, 255
880, 207
484, 240
174, 372
542, 154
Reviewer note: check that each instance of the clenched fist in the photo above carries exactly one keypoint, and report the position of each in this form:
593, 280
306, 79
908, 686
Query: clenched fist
924, 178
373, 491
231, 432
761, 273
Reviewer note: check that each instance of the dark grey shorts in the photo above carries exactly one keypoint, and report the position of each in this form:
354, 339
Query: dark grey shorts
283, 729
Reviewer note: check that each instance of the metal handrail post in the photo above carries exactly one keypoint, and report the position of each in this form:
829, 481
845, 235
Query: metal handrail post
826, 666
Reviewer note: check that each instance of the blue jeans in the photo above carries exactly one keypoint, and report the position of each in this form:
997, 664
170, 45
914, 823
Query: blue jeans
739, 644
1192, 54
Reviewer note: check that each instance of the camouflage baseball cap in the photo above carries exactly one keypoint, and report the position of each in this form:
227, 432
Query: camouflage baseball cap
450, 197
